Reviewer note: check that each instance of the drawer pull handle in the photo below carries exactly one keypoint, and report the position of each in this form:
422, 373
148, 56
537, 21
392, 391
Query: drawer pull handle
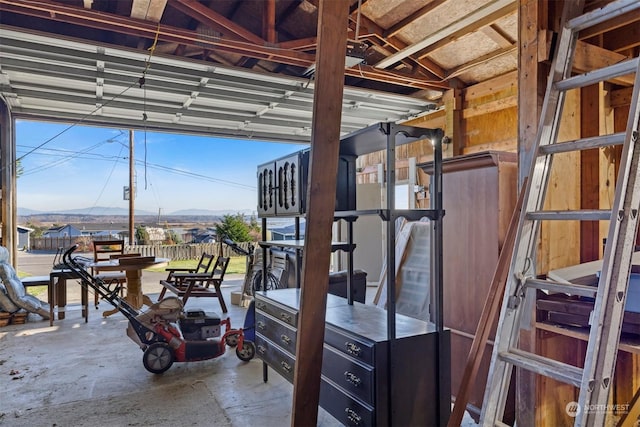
285, 339
286, 317
261, 325
353, 416
262, 349
261, 305
352, 378
352, 348
285, 366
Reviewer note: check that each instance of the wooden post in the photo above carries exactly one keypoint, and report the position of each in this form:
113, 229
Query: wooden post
325, 144
531, 78
132, 190
8, 215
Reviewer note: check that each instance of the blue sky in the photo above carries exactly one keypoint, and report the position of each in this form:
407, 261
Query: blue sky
72, 167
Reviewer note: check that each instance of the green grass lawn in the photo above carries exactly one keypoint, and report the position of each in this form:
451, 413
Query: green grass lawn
237, 265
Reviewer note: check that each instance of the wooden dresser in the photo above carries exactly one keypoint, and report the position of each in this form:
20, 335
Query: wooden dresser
359, 379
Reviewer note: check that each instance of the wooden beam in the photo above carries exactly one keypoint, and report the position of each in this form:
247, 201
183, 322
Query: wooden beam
396, 45
396, 28
482, 60
135, 27
620, 97
482, 16
481, 22
499, 37
623, 38
309, 43
490, 107
612, 24
206, 16
150, 10
590, 57
321, 196
630, 418
269, 22
125, 25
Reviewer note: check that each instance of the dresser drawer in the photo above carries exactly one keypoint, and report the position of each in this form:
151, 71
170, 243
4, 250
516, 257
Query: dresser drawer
356, 347
280, 312
343, 407
276, 331
280, 361
354, 377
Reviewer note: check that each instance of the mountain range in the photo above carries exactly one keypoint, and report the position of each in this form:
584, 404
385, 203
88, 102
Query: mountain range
102, 211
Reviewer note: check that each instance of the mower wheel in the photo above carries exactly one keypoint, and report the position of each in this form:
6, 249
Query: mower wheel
232, 340
158, 357
247, 352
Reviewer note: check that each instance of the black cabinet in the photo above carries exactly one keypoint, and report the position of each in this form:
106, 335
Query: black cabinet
356, 387
379, 367
282, 185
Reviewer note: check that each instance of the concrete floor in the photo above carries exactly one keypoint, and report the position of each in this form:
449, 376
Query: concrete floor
91, 374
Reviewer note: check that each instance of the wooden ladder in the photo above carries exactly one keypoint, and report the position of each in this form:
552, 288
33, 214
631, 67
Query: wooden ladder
595, 379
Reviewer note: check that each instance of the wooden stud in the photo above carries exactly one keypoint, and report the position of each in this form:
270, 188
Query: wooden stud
589, 174
323, 167
453, 107
608, 160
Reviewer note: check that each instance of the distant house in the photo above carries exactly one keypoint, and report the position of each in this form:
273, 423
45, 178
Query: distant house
62, 231
207, 235
24, 237
287, 233
155, 234
104, 231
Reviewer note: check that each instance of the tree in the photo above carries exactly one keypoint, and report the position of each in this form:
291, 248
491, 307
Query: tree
233, 227
172, 238
141, 235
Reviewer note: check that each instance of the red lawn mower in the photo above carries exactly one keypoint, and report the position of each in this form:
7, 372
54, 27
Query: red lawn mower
165, 332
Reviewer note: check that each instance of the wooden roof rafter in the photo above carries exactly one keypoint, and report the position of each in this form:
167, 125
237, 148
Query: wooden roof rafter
396, 28
204, 15
140, 28
396, 45
481, 17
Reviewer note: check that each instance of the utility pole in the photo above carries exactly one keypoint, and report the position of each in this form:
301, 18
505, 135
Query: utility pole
132, 190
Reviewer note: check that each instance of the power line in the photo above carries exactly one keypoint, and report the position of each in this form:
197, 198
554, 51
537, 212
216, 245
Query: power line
68, 155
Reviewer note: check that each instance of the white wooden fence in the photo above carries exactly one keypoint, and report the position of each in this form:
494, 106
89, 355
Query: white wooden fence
174, 252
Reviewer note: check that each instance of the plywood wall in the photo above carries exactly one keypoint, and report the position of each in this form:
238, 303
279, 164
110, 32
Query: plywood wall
482, 117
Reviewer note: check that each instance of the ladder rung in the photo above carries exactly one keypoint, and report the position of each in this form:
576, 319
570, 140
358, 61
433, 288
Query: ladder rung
581, 215
559, 287
595, 17
583, 144
566, 373
599, 75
